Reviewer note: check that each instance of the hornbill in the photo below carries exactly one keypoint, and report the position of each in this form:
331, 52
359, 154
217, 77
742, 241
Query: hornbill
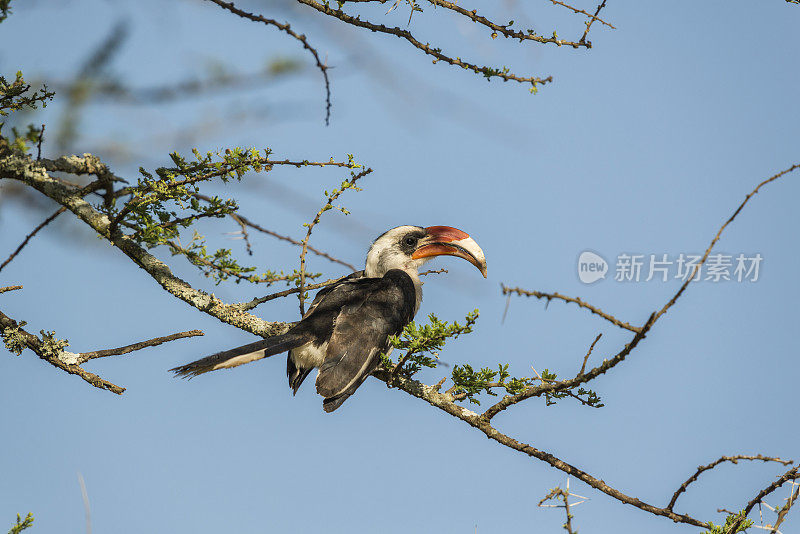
348, 324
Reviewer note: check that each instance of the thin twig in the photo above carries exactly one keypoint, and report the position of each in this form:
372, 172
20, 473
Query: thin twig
590, 21
39, 144
84, 357
243, 231
589, 353
677, 295
246, 306
558, 296
576, 10
403, 359
310, 227
245, 221
9, 288
323, 67
44, 223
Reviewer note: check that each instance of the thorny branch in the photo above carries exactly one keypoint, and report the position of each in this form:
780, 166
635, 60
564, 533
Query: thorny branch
784, 510
550, 296
733, 459
504, 29
564, 495
791, 474
503, 74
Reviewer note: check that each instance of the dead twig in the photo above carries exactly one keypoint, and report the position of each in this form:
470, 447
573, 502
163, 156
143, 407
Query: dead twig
84, 357
589, 353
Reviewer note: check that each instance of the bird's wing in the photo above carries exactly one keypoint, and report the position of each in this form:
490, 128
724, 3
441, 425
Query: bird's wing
368, 311
326, 290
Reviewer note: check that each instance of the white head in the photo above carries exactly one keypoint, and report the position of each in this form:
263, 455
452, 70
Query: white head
408, 247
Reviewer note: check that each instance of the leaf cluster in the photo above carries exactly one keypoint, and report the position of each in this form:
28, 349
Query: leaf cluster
22, 524
423, 342
16, 96
161, 204
167, 201
467, 382
724, 529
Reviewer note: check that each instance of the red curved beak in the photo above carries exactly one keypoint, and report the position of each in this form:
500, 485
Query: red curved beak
449, 241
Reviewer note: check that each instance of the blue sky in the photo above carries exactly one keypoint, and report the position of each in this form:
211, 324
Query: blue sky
644, 144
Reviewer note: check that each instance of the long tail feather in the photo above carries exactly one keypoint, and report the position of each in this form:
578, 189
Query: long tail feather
240, 355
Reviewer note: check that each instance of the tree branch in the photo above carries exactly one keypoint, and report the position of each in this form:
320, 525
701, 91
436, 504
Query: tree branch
35, 175
551, 387
444, 403
436, 52
784, 510
14, 333
576, 10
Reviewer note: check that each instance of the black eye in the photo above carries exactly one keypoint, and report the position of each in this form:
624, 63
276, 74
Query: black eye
410, 241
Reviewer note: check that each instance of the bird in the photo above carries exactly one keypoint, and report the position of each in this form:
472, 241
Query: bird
348, 324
